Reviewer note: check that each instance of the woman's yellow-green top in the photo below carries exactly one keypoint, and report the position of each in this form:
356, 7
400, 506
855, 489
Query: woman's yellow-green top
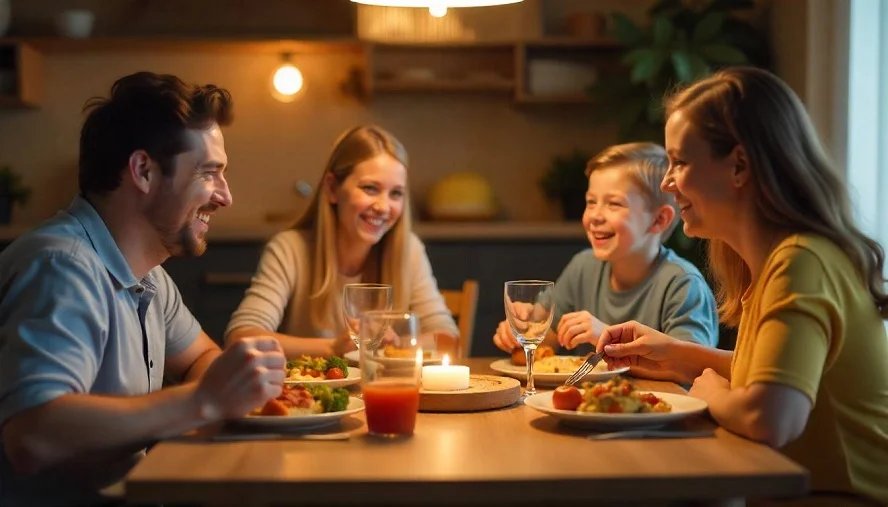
809, 322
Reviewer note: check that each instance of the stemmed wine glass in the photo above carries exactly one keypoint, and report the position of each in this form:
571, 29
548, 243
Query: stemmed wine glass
358, 298
529, 310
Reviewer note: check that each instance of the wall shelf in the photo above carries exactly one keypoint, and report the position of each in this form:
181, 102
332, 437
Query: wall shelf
568, 99
442, 85
509, 68
484, 66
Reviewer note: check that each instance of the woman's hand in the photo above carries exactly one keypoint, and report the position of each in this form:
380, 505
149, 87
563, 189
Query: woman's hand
708, 385
579, 327
648, 353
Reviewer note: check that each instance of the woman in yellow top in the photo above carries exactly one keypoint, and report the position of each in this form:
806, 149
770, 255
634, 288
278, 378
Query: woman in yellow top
794, 273
356, 229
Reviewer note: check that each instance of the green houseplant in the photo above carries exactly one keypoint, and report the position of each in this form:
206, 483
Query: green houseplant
565, 182
12, 191
682, 41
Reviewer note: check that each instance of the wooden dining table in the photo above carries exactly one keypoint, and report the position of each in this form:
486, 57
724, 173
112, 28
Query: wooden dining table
509, 456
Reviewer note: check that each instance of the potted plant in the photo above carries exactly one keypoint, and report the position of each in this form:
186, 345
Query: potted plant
683, 41
565, 181
12, 191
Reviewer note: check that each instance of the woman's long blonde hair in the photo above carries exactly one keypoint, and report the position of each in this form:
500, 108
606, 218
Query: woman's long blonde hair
388, 258
796, 186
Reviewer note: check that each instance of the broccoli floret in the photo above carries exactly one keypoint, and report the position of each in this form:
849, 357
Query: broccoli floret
338, 362
339, 401
332, 400
312, 363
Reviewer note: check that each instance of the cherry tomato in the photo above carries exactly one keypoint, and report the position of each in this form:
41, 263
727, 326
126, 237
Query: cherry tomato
615, 409
313, 373
566, 398
334, 373
650, 399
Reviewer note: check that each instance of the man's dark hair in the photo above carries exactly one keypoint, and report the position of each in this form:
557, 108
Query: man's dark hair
146, 111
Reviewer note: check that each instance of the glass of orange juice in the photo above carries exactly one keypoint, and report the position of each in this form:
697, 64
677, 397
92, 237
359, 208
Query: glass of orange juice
391, 371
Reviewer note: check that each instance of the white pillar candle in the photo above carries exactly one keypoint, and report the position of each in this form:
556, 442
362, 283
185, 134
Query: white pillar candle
445, 377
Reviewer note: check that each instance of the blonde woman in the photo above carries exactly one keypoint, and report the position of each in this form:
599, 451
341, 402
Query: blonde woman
356, 229
797, 277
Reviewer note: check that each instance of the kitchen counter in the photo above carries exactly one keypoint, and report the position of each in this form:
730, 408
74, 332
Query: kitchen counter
439, 231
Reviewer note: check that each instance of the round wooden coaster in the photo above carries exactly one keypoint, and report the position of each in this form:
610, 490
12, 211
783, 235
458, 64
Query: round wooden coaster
485, 392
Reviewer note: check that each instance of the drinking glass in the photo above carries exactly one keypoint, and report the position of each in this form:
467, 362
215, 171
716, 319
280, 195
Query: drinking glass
358, 298
529, 309
391, 371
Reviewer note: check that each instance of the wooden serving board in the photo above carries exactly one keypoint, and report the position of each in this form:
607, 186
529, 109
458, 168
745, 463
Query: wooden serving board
485, 392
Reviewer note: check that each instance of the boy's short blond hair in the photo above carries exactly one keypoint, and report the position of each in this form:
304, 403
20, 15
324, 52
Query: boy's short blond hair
646, 164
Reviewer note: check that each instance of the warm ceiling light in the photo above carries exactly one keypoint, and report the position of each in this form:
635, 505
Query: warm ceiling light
436, 3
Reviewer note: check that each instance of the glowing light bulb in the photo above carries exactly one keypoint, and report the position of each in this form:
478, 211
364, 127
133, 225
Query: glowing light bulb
438, 10
287, 82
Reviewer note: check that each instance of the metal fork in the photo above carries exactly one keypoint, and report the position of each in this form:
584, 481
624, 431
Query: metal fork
584, 369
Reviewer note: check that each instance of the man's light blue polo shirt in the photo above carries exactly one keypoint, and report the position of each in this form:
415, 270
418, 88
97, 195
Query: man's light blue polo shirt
74, 319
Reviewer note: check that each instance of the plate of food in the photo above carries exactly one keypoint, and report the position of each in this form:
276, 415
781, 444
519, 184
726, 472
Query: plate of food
389, 354
614, 404
303, 407
549, 369
330, 371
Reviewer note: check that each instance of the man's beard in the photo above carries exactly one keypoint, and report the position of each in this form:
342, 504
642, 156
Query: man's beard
184, 242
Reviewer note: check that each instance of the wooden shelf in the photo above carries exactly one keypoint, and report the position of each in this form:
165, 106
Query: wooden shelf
164, 44
577, 99
453, 44
573, 42
442, 85
388, 64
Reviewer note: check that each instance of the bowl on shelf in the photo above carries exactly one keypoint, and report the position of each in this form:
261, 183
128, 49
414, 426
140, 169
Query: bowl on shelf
75, 23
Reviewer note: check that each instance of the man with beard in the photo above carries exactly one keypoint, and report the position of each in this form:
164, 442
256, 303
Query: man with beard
90, 324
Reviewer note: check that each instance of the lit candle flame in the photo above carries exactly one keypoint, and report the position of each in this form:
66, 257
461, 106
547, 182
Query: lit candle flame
419, 356
446, 360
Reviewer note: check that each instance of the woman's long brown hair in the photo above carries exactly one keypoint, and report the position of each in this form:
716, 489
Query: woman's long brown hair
797, 187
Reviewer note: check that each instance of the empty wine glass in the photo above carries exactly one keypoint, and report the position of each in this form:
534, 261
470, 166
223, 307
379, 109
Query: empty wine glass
529, 310
358, 298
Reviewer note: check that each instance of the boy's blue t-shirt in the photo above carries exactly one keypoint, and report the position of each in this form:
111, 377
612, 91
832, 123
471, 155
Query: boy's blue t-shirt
674, 299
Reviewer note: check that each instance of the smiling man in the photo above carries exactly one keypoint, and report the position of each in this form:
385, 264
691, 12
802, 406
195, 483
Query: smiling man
90, 324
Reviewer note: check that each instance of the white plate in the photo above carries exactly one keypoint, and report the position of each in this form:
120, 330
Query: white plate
354, 357
598, 374
354, 376
355, 405
682, 407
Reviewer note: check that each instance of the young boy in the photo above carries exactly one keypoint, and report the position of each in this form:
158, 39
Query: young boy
627, 274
